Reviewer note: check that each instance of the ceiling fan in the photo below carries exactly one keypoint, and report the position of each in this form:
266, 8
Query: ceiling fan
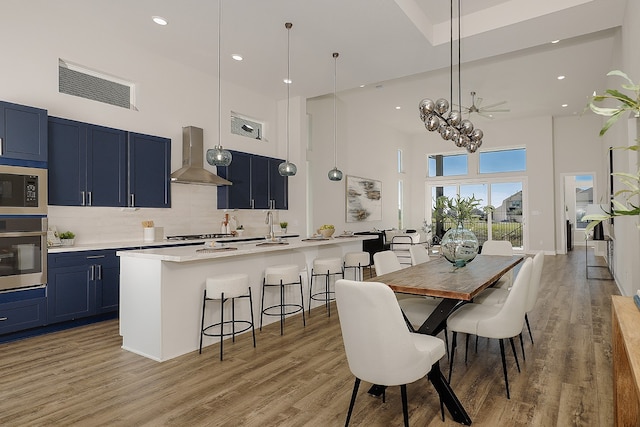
484, 111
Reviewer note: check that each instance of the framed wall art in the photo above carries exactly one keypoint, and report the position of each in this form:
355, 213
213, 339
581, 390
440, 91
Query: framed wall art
364, 199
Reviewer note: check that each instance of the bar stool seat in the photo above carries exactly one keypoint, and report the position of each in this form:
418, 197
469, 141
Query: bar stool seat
326, 267
282, 276
222, 288
357, 260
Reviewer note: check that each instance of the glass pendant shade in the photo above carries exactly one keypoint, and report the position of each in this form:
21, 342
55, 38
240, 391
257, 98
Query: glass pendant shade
218, 156
287, 169
335, 174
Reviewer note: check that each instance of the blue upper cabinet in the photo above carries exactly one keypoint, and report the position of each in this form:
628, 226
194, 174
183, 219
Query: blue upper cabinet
87, 164
256, 183
149, 171
92, 165
23, 135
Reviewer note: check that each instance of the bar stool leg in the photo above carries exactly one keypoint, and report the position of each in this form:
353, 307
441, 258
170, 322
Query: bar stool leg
204, 304
253, 329
281, 308
327, 303
304, 323
221, 323
262, 303
233, 318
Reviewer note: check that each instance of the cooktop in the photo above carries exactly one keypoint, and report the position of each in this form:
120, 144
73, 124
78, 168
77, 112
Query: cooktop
199, 236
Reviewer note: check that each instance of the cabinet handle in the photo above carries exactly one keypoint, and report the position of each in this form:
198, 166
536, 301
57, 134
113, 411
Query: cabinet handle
95, 256
2, 319
251, 204
1, 147
92, 273
133, 200
99, 267
90, 198
83, 199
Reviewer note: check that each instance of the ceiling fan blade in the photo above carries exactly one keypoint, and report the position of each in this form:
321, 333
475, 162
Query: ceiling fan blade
500, 110
485, 115
486, 107
478, 102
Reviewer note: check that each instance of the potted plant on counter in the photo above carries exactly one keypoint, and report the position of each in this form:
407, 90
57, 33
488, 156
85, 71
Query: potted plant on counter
67, 238
240, 230
283, 226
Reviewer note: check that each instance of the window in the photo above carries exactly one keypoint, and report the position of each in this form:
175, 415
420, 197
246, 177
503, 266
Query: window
245, 127
80, 81
400, 205
400, 164
447, 165
583, 185
503, 161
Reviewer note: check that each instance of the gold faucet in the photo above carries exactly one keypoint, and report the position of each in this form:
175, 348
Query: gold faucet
269, 220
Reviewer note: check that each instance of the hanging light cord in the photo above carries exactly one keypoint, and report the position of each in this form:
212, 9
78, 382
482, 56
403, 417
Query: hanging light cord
219, 84
335, 110
288, 25
459, 63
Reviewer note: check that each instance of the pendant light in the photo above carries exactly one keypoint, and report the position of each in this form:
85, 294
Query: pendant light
335, 174
218, 156
287, 168
451, 126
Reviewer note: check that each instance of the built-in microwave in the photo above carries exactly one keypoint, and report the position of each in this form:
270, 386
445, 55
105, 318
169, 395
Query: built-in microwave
23, 191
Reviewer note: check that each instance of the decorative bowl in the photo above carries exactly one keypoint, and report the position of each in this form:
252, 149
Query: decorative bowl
327, 232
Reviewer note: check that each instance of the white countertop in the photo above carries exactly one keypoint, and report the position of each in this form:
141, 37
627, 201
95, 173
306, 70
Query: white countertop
189, 253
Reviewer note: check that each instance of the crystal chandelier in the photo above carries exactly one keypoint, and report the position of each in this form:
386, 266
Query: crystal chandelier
287, 168
450, 124
335, 174
218, 156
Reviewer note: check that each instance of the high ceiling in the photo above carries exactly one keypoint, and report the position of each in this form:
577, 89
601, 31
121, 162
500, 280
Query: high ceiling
399, 49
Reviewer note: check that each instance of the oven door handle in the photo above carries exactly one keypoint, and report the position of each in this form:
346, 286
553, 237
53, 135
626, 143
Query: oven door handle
22, 233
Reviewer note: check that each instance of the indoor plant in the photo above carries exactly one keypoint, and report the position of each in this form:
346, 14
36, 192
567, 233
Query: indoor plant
627, 104
459, 245
67, 238
283, 226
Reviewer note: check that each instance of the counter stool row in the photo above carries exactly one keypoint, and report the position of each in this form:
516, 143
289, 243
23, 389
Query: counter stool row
235, 286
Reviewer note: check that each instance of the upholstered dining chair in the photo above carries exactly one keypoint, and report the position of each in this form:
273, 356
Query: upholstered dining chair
419, 254
379, 347
490, 321
386, 262
502, 248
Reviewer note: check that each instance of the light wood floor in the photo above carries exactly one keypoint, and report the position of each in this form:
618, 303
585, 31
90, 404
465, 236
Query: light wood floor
82, 377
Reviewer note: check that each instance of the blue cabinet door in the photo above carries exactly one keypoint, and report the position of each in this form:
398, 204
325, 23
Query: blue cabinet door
260, 182
22, 309
106, 274
106, 167
70, 293
238, 195
23, 134
149, 171
278, 186
67, 162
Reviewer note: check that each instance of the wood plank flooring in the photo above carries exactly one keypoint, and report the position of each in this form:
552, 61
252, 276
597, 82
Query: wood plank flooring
82, 376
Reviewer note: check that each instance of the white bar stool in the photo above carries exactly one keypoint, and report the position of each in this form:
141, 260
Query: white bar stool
223, 288
282, 276
357, 260
326, 267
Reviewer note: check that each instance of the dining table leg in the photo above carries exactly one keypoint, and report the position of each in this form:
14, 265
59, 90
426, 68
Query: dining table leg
447, 396
437, 320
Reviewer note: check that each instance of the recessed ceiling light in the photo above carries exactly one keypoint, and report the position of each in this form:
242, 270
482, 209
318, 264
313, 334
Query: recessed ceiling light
398, 107
287, 81
159, 20
555, 41
565, 105
237, 57
560, 77
362, 85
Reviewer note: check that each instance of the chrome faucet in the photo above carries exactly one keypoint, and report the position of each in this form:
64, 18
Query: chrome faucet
269, 220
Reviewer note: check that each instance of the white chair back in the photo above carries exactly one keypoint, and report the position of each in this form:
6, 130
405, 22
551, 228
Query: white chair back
497, 247
534, 286
508, 321
379, 347
419, 254
386, 262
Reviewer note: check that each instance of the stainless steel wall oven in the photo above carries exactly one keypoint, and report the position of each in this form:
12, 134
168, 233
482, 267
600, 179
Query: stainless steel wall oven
23, 252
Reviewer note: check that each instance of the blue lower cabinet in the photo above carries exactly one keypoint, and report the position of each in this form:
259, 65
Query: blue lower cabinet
22, 309
82, 284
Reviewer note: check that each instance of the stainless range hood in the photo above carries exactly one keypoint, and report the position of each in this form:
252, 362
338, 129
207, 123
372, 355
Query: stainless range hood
192, 170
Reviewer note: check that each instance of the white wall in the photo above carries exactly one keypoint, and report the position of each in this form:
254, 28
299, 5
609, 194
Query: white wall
169, 96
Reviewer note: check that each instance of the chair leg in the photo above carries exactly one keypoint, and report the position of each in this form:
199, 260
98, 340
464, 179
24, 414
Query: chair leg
526, 318
446, 341
304, 322
253, 329
233, 320
405, 409
281, 308
504, 367
310, 291
353, 400
466, 348
262, 303
204, 304
515, 355
522, 347
221, 323
454, 340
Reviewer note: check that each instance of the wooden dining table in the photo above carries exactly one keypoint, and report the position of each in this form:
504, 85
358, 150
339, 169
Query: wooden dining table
456, 286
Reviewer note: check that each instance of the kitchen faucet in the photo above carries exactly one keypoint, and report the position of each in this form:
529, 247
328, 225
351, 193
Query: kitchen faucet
269, 220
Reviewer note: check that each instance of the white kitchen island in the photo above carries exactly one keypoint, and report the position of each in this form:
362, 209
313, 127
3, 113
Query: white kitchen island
161, 289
